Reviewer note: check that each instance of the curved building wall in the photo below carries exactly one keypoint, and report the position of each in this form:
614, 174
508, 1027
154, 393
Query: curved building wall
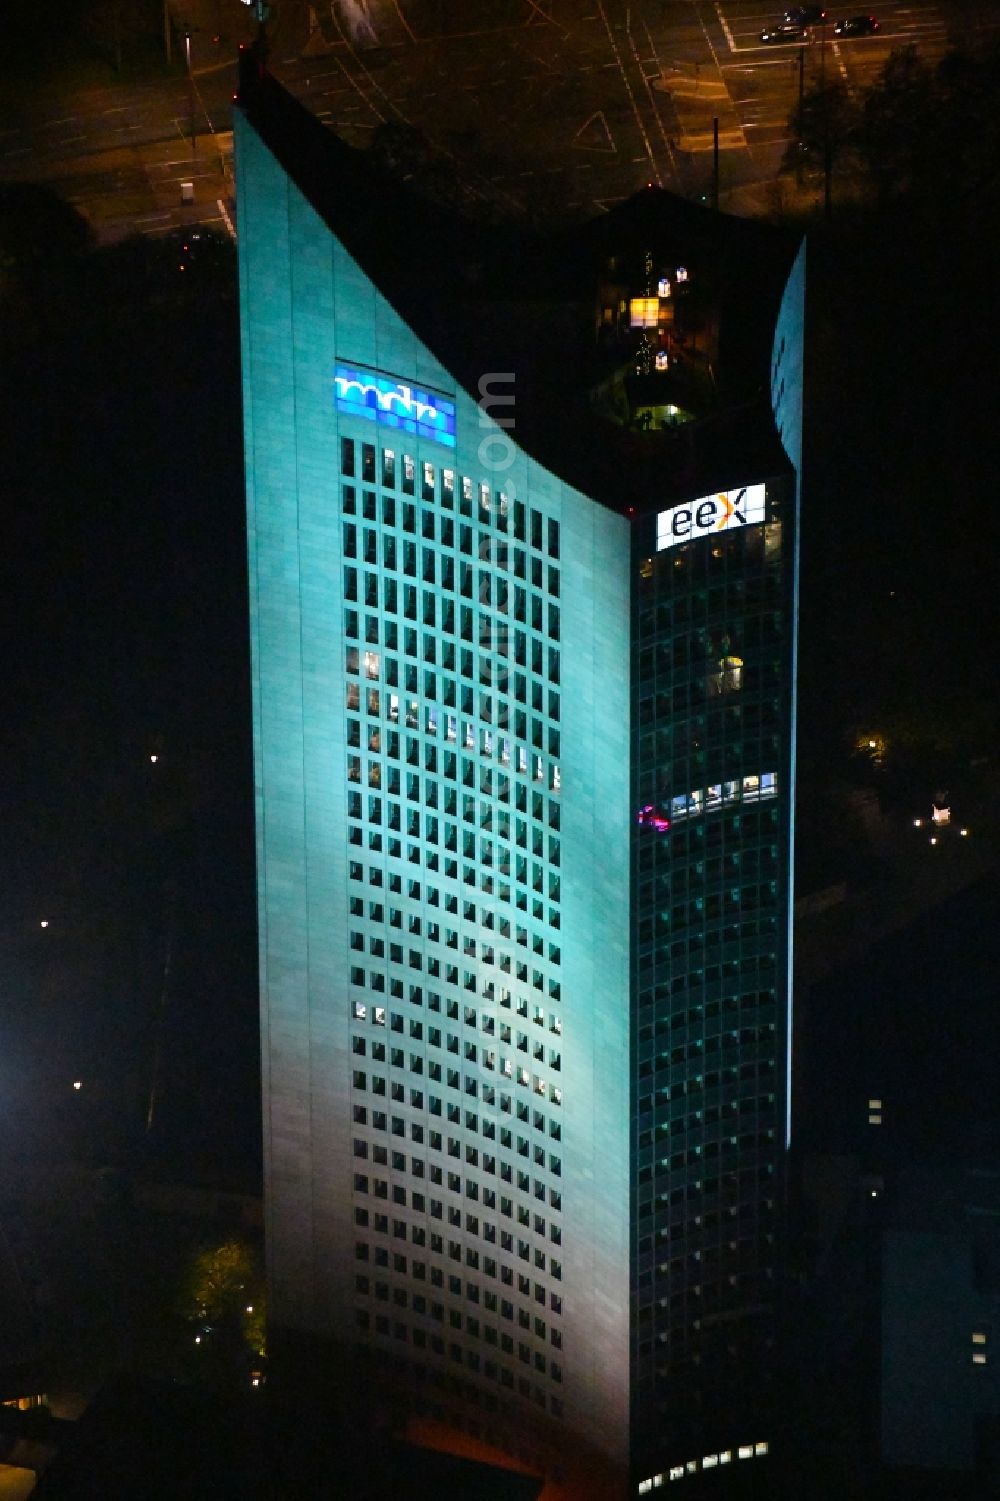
441, 730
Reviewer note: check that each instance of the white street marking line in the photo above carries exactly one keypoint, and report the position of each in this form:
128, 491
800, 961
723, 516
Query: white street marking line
725, 26
631, 95
226, 219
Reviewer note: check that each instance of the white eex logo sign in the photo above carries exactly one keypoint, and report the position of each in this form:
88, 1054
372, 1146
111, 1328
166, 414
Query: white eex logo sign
720, 512
395, 404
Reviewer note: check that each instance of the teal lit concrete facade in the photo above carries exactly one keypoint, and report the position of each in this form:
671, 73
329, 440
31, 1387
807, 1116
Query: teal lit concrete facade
469, 676
442, 788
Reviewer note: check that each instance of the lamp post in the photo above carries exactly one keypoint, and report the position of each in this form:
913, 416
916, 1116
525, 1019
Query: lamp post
187, 57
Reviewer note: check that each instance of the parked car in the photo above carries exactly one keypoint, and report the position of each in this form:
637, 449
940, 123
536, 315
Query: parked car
856, 26
805, 15
783, 31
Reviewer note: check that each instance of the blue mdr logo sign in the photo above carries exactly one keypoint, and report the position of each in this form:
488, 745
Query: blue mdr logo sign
391, 403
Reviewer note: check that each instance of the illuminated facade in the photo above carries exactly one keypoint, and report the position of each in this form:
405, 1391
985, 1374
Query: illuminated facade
523, 764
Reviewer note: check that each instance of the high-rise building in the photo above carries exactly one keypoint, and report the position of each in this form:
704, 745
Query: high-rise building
522, 538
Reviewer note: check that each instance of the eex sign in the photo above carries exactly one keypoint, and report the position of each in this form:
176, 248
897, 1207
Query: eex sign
712, 513
394, 404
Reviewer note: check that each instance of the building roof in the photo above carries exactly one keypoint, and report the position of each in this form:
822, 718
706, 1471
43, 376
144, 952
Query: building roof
498, 298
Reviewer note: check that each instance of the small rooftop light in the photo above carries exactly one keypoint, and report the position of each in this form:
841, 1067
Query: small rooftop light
964, 833
77, 1083
932, 840
44, 923
153, 760
918, 823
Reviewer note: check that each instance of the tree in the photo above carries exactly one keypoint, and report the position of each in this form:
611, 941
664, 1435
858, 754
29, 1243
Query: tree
823, 127
897, 121
223, 1299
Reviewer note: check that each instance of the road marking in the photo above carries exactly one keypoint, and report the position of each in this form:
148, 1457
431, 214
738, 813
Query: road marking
840, 64
609, 148
650, 96
628, 89
725, 26
769, 62
226, 219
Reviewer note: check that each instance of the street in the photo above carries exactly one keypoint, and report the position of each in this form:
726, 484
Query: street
567, 105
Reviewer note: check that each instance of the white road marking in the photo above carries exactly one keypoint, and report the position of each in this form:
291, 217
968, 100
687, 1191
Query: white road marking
725, 26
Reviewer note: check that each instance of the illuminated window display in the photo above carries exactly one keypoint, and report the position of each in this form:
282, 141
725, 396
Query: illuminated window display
524, 778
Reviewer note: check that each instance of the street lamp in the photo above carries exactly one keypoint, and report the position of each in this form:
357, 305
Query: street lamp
187, 57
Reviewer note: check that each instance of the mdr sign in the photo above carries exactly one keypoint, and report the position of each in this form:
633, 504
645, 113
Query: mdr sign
720, 512
392, 403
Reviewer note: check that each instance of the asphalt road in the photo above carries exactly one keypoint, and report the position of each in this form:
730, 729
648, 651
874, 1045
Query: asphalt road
548, 103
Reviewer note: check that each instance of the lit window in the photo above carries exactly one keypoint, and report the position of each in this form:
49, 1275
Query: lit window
760, 1448
728, 678
979, 1338
644, 312
677, 1472
745, 1451
709, 1461
979, 1358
